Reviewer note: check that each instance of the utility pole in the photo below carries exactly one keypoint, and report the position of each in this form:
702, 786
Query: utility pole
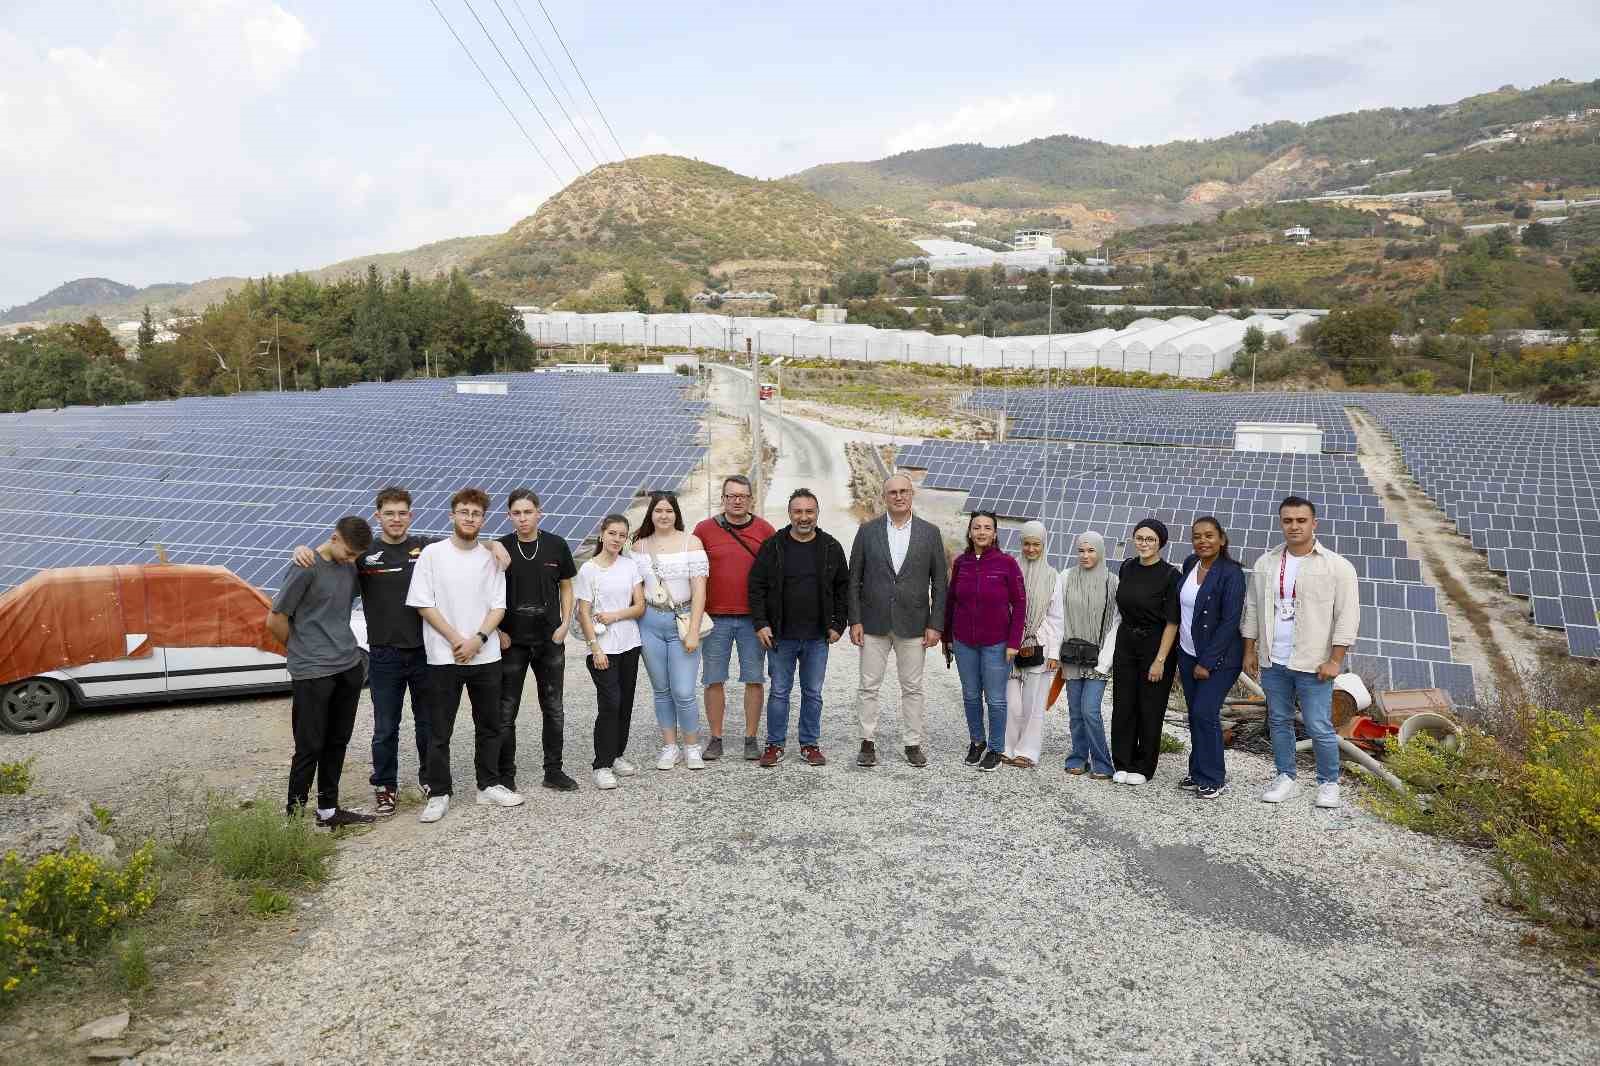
757, 482
278, 344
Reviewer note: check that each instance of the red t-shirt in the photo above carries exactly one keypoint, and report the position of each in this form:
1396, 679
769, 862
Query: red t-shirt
732, 552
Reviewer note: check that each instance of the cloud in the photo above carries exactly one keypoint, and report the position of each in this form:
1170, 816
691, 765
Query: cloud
1278, 75
992, 121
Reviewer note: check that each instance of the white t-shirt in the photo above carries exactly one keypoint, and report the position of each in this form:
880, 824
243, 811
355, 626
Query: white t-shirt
899, 542
1187, 595
610, 588
1283, 627
464, 586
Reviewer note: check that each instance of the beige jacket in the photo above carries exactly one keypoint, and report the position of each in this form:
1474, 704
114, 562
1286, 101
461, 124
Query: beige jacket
1327, 607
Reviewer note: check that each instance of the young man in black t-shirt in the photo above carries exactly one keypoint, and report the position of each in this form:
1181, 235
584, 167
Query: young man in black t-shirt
533, 633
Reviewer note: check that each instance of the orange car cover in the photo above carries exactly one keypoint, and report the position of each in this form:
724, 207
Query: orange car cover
85, 614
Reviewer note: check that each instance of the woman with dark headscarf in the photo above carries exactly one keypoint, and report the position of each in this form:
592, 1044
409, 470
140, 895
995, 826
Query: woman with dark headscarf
1142, 670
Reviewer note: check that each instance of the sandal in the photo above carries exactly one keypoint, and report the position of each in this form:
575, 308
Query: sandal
1077, 771
1022, 762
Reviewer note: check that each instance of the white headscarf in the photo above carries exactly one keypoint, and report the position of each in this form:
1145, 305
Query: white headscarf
1038, 580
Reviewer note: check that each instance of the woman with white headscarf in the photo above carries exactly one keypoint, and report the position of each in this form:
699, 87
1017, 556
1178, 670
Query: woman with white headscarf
1081, 629
1035, 664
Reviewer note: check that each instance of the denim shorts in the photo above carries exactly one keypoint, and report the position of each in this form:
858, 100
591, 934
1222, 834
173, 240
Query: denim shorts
716, 650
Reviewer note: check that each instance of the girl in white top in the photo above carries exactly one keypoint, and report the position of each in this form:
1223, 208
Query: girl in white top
675, 567
610, 598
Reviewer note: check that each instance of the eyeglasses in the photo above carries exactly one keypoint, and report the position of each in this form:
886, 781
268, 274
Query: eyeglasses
735, 495
465, 512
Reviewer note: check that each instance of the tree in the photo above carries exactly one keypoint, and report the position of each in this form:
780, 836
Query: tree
634, 294
147, 333
1522, 210
337, 373
1254, 340
106, 383
1586, 273
1355, 340
675, 300
1037, 287
1537, 236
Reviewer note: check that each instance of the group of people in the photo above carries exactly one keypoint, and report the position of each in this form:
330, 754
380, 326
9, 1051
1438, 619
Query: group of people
459, 613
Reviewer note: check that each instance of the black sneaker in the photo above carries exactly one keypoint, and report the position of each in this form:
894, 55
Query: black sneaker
974, 753
1210, 793
991, 762
341, 818
1187, 784
560, 782
868, 755
713, 749
915, 755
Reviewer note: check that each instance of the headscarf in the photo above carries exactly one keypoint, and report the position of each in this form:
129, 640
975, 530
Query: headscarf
1038, 579
1087, 594
1155, 526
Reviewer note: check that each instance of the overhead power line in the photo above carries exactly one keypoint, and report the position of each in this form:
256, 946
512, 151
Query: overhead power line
513, 72
585, 81
537, 70
512, 114
555, 68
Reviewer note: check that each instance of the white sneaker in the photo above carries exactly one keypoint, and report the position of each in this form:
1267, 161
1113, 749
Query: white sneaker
1328, 795
692, 758
623, 768
1134, 779
1283, 786
1120, 777
668, 758
604, 778
499, 796
435, 809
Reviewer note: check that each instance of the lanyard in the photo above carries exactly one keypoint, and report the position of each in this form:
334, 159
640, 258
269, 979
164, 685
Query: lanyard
1283, 563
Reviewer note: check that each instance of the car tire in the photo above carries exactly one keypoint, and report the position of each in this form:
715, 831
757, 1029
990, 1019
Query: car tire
34, 705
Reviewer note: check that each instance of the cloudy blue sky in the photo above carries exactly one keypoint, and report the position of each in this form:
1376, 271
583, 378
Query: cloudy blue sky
164, 140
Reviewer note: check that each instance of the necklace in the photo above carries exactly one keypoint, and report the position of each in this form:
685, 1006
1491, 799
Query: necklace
526, 557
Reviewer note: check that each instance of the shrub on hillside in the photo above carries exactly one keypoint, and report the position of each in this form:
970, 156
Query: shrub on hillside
257, 843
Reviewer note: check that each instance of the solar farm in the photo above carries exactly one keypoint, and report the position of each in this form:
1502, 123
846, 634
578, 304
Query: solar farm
239, 481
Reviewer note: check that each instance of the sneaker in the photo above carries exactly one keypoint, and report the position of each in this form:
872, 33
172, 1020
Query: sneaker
435, 809
772, 756
1188, 784
499, 796
341, 818
1076, 771
975, 752
713, 750
622, 767
383, 801
1095, 775
991, 762
1134, 779
692, 757
1206, 792
915, 756
813, 755
668, 757
604, 778
1283, 786
752, 749
1328, 795
559, 781
1120, 777
868, 755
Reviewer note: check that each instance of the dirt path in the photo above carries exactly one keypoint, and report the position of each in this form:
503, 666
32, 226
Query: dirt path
1490, 629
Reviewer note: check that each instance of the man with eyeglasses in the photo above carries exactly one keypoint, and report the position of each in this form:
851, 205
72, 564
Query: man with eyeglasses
731, 541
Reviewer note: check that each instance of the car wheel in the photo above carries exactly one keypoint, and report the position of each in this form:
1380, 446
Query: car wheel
34, 705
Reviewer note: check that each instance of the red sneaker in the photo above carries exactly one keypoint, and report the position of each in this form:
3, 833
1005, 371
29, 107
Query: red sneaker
813, 755
771, 756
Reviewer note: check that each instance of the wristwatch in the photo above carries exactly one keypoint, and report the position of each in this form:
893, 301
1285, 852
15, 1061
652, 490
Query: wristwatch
483, 638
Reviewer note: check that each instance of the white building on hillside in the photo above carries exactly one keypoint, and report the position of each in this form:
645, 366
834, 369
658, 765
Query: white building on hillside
1032, 240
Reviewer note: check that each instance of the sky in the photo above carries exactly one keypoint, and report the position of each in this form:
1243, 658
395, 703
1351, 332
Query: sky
174, 140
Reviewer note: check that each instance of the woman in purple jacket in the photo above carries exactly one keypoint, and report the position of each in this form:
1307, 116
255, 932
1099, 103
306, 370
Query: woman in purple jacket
983, 620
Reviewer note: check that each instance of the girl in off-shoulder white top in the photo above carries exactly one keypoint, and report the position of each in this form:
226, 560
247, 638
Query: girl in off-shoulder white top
675, 562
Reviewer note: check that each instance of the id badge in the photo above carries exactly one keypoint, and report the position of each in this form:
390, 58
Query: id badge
1286, 610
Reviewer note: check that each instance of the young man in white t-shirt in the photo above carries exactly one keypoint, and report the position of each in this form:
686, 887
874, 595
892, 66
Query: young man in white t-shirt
459, 591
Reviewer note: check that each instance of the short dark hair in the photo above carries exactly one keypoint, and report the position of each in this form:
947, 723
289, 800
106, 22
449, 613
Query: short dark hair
803, 493
355, 532
477, 496
523, 494
1297, 501
737, 479
392, 494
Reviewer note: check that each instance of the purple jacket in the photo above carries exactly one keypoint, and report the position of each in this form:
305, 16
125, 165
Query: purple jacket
986, 603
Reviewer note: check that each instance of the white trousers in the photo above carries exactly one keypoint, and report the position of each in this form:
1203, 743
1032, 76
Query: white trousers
1025, 713
909, 657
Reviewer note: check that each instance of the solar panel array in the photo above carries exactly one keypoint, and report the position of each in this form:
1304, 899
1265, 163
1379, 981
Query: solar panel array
239, 481
1162, 416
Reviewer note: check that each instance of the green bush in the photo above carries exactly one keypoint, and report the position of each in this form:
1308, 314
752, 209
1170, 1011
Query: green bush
132, 964
258, 843
265, 902
1171, 745
16, 777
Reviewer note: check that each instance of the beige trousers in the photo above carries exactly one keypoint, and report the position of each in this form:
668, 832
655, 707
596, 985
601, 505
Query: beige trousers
909, 656
1025, 698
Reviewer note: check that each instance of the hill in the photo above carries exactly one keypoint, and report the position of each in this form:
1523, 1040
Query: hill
680, 222
71, 294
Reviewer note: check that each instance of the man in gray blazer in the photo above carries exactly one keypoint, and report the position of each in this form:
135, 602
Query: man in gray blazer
899, 574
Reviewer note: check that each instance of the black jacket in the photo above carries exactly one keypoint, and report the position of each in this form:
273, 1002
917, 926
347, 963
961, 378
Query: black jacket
766, 583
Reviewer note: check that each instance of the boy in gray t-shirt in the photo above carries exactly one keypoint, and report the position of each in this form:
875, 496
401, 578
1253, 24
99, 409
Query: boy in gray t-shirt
311, 615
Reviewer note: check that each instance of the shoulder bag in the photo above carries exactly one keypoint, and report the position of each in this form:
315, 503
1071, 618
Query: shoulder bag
680, 611
1086, 653
727, 528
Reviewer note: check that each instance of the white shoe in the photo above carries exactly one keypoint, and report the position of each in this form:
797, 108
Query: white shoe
435, 809
623, 768
1120, 777
1328, 795
604, 778
1134, 779
692, 758
1283, 786
668, 758
499, 796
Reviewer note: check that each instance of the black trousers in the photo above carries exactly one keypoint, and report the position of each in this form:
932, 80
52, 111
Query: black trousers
613, 690
322, 715
483, 691
1138, 705
549, 662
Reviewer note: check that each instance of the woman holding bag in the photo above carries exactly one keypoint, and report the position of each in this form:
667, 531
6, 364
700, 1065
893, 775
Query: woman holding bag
1035, 663
1082, 626
675, 567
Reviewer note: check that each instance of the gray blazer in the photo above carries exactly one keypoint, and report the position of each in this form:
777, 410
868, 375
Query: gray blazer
904, 604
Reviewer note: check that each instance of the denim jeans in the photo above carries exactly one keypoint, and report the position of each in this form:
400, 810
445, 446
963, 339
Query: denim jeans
811, 656
729, 631
1204, 700
390, 671
984, 670
1284, 687
674, 673
1085, 696
549, 663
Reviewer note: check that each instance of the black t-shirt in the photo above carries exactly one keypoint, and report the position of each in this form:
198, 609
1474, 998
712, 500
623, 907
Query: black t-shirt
1147, 596
802, 589
384, 571
533, 585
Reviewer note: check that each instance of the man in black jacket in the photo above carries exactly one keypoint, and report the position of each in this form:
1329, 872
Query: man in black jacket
799, 588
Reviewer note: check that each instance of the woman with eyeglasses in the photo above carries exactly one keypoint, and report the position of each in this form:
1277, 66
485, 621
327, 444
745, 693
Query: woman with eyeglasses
675, 567
984, 614
1141, 666
1210, 649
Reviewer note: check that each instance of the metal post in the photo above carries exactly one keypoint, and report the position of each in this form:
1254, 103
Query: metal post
278, 344
757, 482
1472, 359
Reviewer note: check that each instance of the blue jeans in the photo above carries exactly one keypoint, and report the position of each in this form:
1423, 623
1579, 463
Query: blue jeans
1204, 699
983, 671
390, 671
716, 650
811, 656
673, 673
1284, 687
1085, 696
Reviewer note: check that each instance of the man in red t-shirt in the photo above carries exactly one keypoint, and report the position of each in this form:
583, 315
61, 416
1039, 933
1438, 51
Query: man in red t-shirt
731, 540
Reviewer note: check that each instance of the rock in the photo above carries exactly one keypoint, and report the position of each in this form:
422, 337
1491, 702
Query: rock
37, 824
108, 1028
15, 1034
112, 1052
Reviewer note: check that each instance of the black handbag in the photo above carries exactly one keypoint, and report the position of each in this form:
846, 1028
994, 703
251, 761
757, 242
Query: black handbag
1027, 660
1086, 653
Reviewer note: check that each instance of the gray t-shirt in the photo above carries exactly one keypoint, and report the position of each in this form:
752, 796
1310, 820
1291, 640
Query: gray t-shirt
317, 600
